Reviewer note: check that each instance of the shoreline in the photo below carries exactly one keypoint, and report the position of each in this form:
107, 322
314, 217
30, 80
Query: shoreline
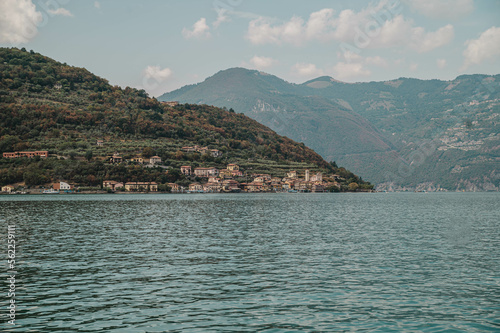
236, 193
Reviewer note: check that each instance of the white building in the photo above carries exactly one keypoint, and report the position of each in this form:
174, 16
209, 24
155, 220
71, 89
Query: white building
62, 186
155, 160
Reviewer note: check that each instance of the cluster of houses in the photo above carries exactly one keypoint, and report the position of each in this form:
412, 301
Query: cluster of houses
222, 181
116, 158
55, 188
29, 154
131, 186
218, 181
156, 160
231, 171
290, 183
202, 150
170, 103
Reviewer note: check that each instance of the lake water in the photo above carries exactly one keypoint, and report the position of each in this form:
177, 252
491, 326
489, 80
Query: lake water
395, 262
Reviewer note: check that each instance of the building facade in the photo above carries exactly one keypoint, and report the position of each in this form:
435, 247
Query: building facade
206, 172
215, 153
113, 185
186, 170
155, 160
7, 188
62, 186
29, 154
141, 187
233, 167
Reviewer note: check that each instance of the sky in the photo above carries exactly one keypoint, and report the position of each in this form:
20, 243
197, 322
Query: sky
162, 45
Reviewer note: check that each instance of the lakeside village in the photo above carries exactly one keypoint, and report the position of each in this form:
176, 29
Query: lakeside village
204, 179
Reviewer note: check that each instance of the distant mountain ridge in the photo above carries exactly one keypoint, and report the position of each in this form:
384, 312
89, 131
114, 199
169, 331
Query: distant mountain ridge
401, 134
283, 108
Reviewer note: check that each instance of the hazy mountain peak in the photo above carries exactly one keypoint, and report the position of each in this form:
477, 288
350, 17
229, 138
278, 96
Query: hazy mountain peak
322, 82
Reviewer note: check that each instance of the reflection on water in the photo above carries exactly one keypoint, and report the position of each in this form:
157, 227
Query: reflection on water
246, 263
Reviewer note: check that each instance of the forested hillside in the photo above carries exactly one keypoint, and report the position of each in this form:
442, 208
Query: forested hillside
46, 105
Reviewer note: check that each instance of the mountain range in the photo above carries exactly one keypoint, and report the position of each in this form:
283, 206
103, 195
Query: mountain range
403, 134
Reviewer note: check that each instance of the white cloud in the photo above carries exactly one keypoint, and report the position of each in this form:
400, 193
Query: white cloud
377, 61
261, 63
97, 5
304, 70
322, 25
424, 42
221, 17
447, 9
60, 11
157, 73
376, 26
260, 31
347, 71
319, 24
400, 31
441, 63
18, 21
486, 47
413, 67
199, 30
155, 79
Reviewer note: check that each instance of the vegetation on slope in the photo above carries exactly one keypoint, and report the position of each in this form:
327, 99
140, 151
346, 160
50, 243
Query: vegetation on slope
46, 105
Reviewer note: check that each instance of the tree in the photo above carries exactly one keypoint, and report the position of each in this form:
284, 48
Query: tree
173, 175
55, 133
147, 152
8, 142
468, 123
179, 155
333, 188
353, 186
164, 188
34, 177
89, 155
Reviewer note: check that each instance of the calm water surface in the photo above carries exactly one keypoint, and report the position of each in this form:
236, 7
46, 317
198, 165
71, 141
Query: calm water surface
397, 262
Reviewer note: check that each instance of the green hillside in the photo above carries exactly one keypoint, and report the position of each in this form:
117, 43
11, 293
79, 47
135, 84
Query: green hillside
46, 105
400, 134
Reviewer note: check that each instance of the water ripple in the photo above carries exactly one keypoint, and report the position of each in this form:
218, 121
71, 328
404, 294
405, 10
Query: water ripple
256, 263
